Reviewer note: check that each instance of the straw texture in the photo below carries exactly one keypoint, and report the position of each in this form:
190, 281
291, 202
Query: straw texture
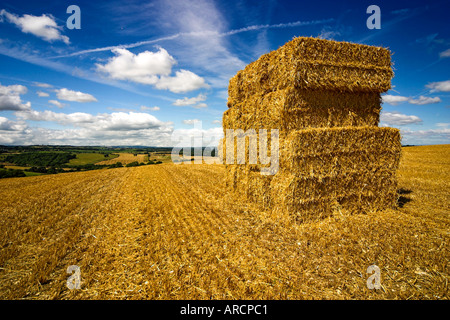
324, 98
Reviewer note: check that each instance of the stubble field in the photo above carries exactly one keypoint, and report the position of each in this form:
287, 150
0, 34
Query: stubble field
172, 232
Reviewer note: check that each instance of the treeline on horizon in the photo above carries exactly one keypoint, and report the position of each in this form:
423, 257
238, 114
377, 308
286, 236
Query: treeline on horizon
80, 149
44, 159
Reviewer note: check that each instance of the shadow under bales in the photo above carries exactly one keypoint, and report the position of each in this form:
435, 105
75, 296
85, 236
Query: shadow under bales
402, 200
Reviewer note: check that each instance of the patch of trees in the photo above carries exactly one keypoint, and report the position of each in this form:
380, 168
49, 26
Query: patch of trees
51, 170
38, 159
11, 173
85, 167
137, 164
134, 164
154, 162
116, 165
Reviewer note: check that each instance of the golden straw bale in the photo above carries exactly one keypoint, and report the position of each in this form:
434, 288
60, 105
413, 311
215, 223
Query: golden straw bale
292, 108
311, 63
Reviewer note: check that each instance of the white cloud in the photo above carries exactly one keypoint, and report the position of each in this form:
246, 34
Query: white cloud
10, 98
424, 100
142, 68
189, 101
197, 135
117, 128
42, 94
8, 125
445, 54
152, 68
399, 119
43, 26
431, 136
70, 95
216, 121
328, 33
200, 106
113, 121
42, 85
102, 129
77, 118
57, 103
393, 100
443, 124
183, 81
127, 121
144, 108
442, 86
191, 121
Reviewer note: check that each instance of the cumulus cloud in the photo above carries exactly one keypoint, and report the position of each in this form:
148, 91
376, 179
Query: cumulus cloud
441, 86
189, 101
200, 106
144, 108
118, 128
197, 136
10, 98
183, 81
70, 95
142, 68
57, 103
43, 26
77, 118
393, 100
42, 85
216, 121
8, 125
399, 119
424, 100
115, 129
113, 121
42, 94
431, 136
191, 121
152, 68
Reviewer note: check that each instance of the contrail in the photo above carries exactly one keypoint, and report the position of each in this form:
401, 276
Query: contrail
200, 33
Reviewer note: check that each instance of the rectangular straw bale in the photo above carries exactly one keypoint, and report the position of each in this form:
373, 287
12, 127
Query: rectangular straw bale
236, 176
292, 108
325, 169
324, 150
311, 63
359, 190
337, 140
258, 188
335, 185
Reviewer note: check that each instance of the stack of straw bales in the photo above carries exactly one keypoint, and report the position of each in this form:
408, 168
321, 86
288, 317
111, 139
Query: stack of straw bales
324, 98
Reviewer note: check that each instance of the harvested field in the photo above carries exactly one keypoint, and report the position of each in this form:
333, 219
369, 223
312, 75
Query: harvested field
126, 158
173, 232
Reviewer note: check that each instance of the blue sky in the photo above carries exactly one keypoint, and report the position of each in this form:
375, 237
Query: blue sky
138, 71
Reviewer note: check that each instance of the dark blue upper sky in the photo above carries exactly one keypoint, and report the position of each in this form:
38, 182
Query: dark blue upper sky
138, 70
